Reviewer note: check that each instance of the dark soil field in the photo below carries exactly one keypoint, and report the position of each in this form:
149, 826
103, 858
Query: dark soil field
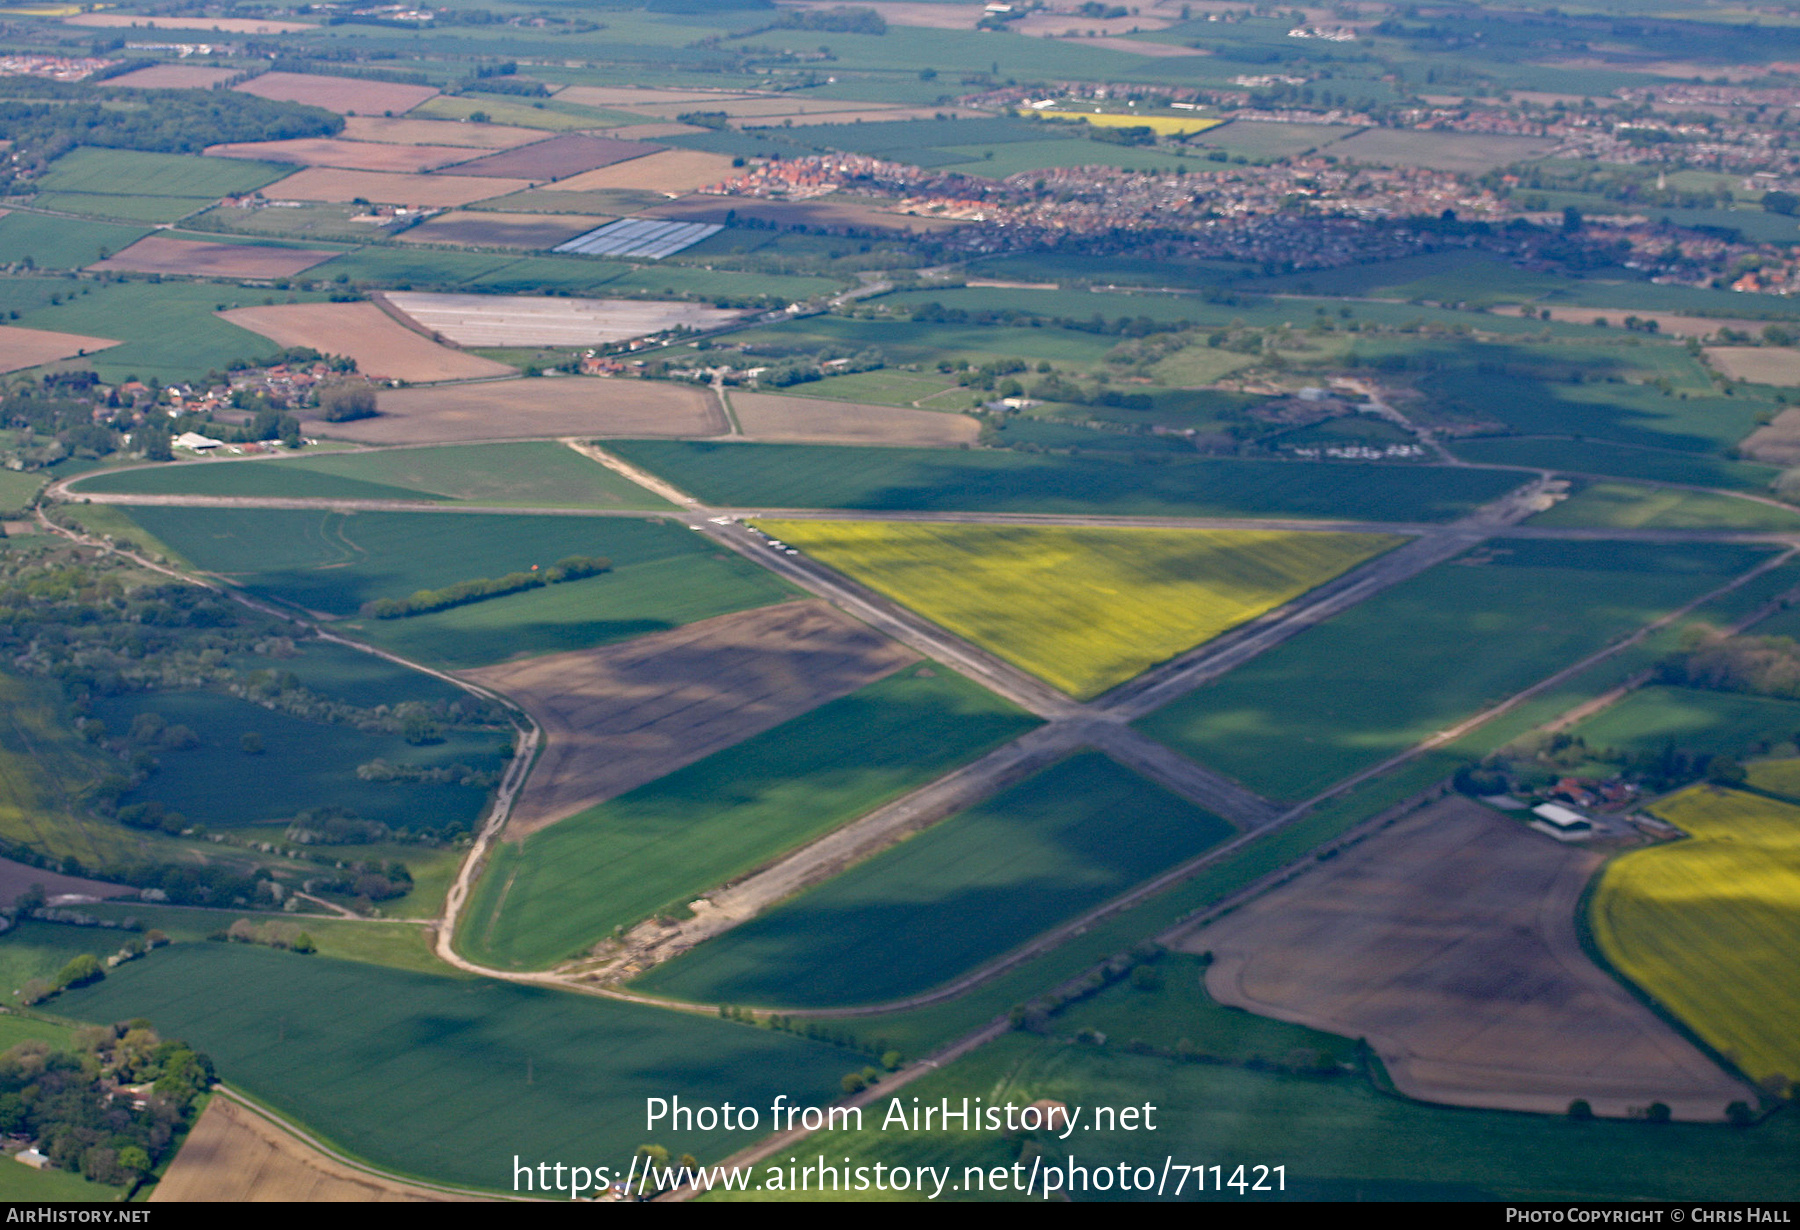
160, 254
620, 716
1448, 941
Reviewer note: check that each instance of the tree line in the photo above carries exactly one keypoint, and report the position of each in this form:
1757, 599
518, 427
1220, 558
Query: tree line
480, 589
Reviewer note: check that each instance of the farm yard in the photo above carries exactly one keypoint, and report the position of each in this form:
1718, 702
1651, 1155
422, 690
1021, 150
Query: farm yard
954, 480
620, 716
532, 474
191, 258
1709, 926
661, 577
775, 417
366, 1056
1083, 609
952, 897
345, 95
514, 409
1448, 941
21, 348
533, 320
381, 346
664, 844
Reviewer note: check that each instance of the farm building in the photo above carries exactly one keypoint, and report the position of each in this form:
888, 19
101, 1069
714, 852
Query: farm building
1562, 817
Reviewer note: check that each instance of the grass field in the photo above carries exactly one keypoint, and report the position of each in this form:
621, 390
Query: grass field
306, 765
123, 208
45, 766
658, 847
1613, 460
1417, 658
448, 1078
662, 575
168, 329
107, 171
1698, 721
956, 895
1339, 1138
1083, 609
1710, 926
18, 490
822, 476
1626, 506
62, 243
535, 474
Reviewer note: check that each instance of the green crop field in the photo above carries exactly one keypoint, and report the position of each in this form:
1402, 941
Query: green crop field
305, 765
1083, 609
886, 387
663, 575
1700, 722
1417, 658
1777, 777
525, 475
62, 243
817, 476
169, 329
660, 846
1339, 1138
1619, 461
118, 172
124, 208
1619, 413
956, 895
448, 1078
1626, 506
1710, 926
17, 490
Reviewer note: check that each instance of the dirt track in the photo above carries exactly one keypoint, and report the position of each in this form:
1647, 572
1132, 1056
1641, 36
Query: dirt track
1448, 941
622, 715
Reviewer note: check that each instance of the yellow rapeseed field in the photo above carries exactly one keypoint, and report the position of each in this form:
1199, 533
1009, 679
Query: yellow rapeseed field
1163, 125
1082, 609
1711, 926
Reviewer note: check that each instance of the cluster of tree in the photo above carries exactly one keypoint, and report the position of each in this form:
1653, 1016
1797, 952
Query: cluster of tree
839, 20
59, 117
1124, 326
334, 826
1759, 665
341, 401
77, 1105
705, 119
453, 774
370, 881
517, 87
286, 936
1135, 134
462, 593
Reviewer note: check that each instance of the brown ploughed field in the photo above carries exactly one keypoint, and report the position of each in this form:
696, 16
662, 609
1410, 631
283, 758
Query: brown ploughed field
350, 155
559, 157
16, 878
1448, 941
159, 254
382, 346
234, 1154
389, 188
1757, 364
21, 348
814, 420
672, 170
622, 715
224, 25
533, 409
174, 77
345, 95
400, 130
497, 230
539, 320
